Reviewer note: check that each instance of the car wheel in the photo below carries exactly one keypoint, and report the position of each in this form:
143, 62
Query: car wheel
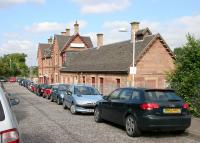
51, 99
97, 115
131, 127
73, 109
64, 105
58, 101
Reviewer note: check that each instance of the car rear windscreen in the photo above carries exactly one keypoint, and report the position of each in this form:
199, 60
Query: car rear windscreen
161, 95
2, 116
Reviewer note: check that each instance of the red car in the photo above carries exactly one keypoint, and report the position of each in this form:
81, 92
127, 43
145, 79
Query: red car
33, 88
12, 79
47, 90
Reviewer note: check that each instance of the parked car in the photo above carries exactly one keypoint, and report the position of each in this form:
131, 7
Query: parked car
9, 130
33, 87
58, 93
40, 89
81, 98
47, 91
144, 110
3, 79
12, 79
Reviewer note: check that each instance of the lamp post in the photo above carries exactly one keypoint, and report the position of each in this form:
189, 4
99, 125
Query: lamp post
133, 68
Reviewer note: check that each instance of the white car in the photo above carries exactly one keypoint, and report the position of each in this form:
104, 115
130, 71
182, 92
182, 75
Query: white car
9, 131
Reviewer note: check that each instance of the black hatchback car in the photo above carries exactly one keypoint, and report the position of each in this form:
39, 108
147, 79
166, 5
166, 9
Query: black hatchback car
144, 110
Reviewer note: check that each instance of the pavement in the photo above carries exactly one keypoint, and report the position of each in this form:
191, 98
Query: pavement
194, 129
43, 121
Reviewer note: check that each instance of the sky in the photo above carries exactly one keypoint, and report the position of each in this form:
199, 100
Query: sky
25, 23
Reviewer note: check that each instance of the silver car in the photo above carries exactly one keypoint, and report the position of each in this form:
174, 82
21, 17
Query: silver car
81, 98
8, 124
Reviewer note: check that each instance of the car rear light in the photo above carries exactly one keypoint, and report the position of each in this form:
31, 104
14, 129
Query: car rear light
186, 106
10, 136
149, 106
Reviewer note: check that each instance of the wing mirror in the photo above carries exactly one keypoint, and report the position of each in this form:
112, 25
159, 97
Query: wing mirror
14, 101
105, 97
69, 92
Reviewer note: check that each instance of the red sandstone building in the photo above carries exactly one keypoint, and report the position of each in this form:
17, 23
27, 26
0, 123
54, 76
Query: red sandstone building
73, 59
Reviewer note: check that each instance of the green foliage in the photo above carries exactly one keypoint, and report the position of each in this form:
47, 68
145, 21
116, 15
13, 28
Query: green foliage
185, 79
13, 65
33, 71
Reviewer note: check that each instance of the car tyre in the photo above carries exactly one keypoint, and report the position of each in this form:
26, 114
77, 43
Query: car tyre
132, 129
73, 109
97, 115
51, 99
64, 105
58, 101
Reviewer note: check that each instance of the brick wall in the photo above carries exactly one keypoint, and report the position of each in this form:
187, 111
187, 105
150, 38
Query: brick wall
153, 67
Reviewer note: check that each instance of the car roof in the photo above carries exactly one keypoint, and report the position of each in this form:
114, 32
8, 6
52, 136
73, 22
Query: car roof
147, 89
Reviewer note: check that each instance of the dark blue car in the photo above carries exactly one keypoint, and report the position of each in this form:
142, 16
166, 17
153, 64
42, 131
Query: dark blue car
144, 110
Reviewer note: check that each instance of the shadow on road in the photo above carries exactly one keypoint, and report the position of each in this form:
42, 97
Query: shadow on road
39, 138
152, 134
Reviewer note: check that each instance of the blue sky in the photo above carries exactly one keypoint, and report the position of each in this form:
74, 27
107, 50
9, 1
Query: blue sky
25, 23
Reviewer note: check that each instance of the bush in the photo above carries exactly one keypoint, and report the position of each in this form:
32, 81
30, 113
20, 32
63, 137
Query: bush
185, 79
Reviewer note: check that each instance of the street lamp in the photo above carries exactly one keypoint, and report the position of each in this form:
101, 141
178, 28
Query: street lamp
133, 68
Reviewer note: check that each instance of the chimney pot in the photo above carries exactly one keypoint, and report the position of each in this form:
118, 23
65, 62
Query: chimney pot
50, 40
76, 28
99, 40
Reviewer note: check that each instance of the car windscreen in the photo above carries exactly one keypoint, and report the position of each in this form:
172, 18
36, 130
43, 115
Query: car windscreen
161, 95
84, 90
63, 87
2, 116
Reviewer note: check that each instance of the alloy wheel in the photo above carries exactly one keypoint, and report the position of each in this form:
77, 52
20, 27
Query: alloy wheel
131, 127
73, 109
97, 115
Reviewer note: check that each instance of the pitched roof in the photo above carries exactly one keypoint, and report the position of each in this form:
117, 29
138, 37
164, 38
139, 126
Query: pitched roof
62, 40
116, 57
44, 47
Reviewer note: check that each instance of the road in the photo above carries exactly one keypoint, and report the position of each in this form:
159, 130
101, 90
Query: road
42, 121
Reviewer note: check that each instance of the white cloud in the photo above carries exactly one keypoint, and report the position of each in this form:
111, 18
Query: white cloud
52, 26
45, 27
103, 6
20, 46
8, 3
173, 31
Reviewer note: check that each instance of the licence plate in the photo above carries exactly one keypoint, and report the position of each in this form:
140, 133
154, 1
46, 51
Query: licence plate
172, 110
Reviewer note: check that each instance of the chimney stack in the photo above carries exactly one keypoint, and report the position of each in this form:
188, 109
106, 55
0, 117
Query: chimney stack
76, 28
63, 33
50, 40
134, 28
99, 40
67, 32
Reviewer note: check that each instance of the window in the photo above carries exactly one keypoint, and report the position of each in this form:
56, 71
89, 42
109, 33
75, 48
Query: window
115, 94
2, 116
101, 85
136, 95
126, 94
118, 83
84, 79
93, 81
162, 95
84, 90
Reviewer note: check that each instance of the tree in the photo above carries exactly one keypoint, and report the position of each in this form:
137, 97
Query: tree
13, 65
185, 79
